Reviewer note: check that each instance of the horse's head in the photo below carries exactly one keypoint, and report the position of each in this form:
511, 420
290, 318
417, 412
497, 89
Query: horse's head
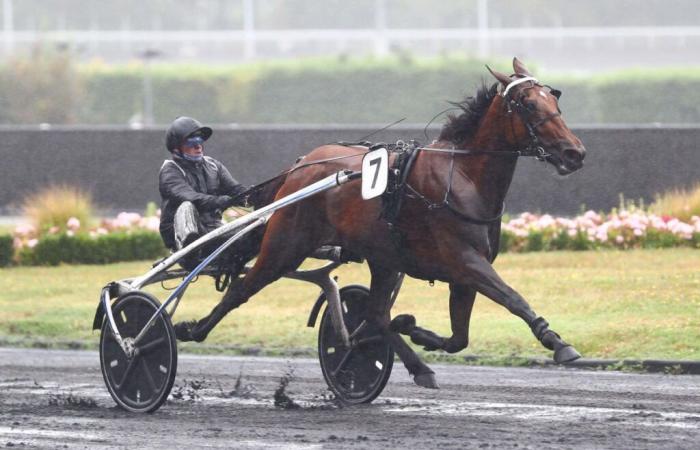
535, 121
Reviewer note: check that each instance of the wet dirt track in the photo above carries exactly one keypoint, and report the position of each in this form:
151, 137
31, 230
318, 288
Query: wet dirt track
57, 399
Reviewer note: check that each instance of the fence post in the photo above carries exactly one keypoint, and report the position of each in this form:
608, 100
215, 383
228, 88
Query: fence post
381, 46
249, 29
8, 28
483, 24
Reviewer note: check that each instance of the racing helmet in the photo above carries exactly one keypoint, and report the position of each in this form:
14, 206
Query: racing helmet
182, 128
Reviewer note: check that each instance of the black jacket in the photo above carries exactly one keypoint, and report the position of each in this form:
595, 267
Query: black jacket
207, 184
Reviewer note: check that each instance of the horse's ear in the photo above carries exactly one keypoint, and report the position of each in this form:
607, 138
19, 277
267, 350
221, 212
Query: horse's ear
520, 68
503, 78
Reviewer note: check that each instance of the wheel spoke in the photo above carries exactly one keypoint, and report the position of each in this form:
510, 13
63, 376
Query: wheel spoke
149, 376
127, 372
370, 340
145, 348
359, 329
342, 363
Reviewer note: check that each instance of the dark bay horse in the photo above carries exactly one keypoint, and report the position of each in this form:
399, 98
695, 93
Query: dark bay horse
449, 222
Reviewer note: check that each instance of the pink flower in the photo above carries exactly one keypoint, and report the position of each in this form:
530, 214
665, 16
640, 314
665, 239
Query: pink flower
32, 243
25, 229
151, 223
73, 224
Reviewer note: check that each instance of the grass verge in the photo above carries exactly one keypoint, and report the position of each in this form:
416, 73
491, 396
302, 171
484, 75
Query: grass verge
609, 304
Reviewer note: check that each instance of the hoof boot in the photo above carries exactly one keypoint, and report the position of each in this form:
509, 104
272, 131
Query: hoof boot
403, 323
183, 331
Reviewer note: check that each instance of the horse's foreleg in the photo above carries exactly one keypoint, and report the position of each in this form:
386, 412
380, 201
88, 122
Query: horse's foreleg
478, 272
381, 287
461, 304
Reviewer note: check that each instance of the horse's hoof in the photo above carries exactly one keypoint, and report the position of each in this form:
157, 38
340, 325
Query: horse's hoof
566, 354
426, 380
403, 324
183, 331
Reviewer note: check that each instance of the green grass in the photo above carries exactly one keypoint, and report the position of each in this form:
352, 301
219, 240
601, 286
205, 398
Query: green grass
609, 304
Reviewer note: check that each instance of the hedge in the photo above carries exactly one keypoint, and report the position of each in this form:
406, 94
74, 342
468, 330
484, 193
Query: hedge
328, 90
6, 250
83, 249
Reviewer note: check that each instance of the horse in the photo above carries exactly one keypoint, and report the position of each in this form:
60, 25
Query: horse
448, 225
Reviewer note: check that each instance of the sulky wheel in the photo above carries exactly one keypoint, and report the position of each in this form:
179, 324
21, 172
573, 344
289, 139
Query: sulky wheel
140, 381
357, 374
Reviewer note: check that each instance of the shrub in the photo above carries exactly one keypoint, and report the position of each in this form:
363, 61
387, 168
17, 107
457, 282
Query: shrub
54, 206
43, 87
6, 250
84, 249
506, 242
679, 203
580, 242
319, 90
535, 241
560, 241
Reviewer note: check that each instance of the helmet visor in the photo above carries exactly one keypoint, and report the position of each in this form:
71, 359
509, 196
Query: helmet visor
193, 141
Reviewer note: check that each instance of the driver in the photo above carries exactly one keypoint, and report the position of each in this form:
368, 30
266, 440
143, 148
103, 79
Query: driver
195, 189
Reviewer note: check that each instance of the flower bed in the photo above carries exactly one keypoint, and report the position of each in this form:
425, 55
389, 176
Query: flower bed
131, 236
128, 237
621, 230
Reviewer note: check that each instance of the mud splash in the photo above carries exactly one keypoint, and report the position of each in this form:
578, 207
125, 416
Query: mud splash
189, 390
282, 400
71, 400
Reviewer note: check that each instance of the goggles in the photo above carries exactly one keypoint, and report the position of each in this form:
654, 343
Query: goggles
194, 141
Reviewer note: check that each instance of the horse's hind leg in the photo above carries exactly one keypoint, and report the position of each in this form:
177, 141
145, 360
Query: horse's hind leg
478, 272
279, 255
381, 287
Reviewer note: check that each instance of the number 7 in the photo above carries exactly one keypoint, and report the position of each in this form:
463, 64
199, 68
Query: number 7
375, 162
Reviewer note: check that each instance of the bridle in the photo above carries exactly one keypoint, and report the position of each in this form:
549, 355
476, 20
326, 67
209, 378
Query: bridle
534, 147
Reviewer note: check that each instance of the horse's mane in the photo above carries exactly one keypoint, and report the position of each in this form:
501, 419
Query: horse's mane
461, 127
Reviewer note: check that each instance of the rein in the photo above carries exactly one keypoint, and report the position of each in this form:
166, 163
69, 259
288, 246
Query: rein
533, 149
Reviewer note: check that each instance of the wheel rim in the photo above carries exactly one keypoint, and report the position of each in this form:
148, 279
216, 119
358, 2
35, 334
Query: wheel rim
140, 382
357, 374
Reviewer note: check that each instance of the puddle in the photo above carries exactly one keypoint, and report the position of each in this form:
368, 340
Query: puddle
545, 412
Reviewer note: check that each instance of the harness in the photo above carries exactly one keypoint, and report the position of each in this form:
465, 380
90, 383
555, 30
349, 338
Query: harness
399, 188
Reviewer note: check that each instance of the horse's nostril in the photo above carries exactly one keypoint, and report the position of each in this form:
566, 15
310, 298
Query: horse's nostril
574, 156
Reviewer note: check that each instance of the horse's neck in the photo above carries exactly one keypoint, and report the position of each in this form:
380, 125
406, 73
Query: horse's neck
492, 175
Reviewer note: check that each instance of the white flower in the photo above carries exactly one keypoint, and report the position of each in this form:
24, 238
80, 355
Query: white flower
32, 243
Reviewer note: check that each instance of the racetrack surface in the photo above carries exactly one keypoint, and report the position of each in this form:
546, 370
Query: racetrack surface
57, 399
